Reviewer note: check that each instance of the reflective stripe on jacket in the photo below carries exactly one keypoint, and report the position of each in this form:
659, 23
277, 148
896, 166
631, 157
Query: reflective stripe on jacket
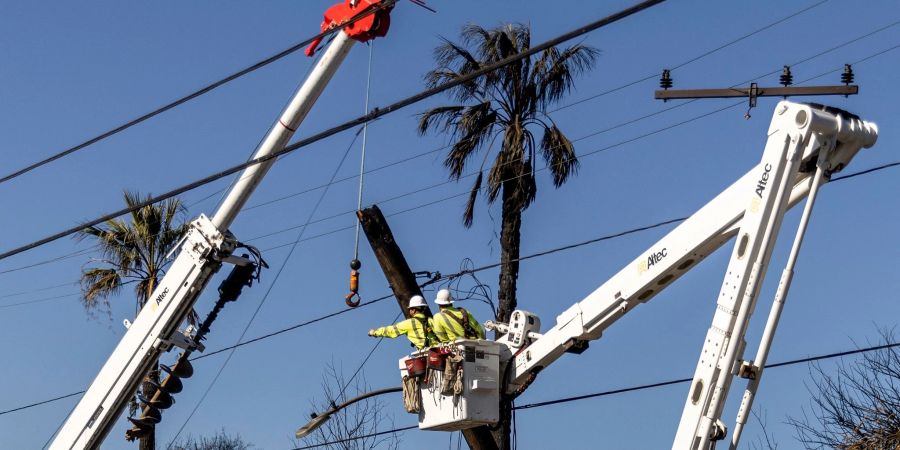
418, 328
447, 329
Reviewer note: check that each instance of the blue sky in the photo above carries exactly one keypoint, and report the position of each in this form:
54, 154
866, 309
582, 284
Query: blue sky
71, 71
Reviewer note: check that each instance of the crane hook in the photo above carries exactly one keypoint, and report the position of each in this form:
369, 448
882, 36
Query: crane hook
354, 285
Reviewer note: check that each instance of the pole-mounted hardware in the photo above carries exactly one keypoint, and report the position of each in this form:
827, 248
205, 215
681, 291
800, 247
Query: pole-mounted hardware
755, 91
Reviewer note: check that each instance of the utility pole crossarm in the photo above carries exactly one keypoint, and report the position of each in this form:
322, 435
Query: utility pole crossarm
756, 91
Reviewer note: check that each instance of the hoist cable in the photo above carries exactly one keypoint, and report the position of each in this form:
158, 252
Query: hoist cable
265, 295
362, 157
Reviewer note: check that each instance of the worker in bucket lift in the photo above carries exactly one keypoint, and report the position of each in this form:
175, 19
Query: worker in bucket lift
452, 323
418, 327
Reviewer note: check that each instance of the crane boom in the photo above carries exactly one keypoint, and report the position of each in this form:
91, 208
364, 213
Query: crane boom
207, 245
806, 144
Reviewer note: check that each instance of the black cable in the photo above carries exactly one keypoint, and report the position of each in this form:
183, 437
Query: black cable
265, 296
364, 436
458, 274
201, 91
610, 91
41, 403
627, 389
47, 288
374, 114
685, 380
293, 327
694, 59
603, 93
39, 300
878, 30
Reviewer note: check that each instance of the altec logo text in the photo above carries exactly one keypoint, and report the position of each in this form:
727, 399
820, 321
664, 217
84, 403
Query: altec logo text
763, 180
162, 296
652, 259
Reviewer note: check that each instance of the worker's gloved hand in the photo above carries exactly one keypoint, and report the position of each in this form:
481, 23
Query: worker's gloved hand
372, 333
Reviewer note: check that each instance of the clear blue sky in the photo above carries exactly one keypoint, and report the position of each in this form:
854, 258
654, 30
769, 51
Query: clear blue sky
73, 70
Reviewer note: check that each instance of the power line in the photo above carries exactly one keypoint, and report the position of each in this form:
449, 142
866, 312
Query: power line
32, 405
685, 380
609, 91
807, 59
878, 30
625, 390
696, 58
40, 300
206, 89
364, 436
465, 272
374, 114
265, 296
47, 288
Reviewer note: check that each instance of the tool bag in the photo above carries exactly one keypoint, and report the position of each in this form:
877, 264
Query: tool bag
452, 381
412, 396
416, 366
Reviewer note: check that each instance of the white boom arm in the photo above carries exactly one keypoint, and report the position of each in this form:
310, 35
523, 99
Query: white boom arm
206, 246
806, 144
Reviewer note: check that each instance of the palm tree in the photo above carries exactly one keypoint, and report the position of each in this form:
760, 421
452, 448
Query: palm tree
510, 104
132, 252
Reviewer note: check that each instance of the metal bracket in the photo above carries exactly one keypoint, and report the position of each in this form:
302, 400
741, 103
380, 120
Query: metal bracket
748, 370
182, 340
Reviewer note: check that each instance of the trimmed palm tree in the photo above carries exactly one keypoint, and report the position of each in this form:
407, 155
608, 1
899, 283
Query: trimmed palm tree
132, 252
509, 105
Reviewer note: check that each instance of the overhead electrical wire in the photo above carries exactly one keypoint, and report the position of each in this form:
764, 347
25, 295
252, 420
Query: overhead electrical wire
288, 51
604, 130
466, 192
848, 176
609, 91
530, 256
374, 114
455, 275
627, 389
198, 93
160, 198
265, 296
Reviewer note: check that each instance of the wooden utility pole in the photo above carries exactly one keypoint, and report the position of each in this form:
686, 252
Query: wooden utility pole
403, 284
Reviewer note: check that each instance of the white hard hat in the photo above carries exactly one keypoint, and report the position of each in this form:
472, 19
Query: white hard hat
417, 301
443, 297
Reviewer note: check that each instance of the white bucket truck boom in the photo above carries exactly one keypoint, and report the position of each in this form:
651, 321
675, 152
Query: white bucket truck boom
207, 245
806, 144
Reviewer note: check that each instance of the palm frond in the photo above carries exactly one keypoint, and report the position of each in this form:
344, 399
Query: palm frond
97, 284
471, 128
558, 75
441, 117
133, 251
469, 214
559, 153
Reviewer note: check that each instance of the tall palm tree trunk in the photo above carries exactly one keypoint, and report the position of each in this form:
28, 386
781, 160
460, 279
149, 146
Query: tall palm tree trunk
149, 442
510, 240
510, 237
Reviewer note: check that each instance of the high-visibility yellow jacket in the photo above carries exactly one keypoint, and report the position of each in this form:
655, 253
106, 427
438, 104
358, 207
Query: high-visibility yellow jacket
418, 328
448, 325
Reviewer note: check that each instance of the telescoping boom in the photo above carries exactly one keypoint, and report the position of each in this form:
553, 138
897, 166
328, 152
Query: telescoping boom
207, 245
806, 144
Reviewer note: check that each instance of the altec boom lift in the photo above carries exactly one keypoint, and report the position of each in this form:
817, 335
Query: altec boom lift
806, 145
205, 248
